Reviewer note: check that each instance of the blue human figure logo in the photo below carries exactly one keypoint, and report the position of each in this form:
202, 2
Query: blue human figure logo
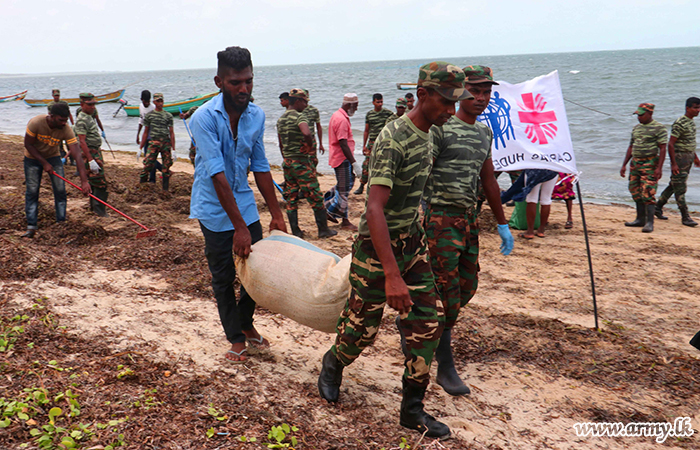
497, 117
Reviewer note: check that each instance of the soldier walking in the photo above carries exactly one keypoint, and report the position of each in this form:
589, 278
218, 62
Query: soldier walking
647, 151
90, 142
158, 126
390, 259
375, 120
681, 152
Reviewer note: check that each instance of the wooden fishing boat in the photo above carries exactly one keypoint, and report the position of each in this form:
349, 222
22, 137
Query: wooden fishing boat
104, 98
175, 107
406, 86
11, 98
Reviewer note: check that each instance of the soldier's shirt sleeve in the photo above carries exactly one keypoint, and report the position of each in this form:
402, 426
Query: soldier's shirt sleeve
490, 139
80, 127
147, 120
209, 145
436, 135
662, 135
677, 130
367, 116
170, 120
386, 159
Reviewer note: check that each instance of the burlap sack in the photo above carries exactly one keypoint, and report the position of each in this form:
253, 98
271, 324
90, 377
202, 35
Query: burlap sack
292, 277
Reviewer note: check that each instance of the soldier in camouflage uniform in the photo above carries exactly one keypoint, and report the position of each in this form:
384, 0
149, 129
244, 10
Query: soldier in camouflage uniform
185, 116
295, 138
313, 120
409, 102
375, 120
461, 156
400, 110
390, 259
647, 151
158, 126
90, 142
681, 152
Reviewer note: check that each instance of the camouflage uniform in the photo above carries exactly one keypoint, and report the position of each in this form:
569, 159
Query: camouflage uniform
684, 131
159, 123
85, 125
193, 149
459, 152
401, 160
645, 142
299, 171
312, 116
376, 121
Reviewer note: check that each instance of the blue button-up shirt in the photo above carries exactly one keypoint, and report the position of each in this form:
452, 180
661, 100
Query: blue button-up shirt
218, 152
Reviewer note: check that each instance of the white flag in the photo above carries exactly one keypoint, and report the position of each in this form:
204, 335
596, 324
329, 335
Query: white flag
530, 128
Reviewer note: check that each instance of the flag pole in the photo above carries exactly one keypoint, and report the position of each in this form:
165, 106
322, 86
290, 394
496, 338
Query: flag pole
588, 250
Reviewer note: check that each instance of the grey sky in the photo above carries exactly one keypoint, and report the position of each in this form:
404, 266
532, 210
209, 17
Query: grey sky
41, 36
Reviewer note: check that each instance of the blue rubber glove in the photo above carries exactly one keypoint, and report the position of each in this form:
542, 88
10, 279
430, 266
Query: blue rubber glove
506, 239
63, 160
104, 136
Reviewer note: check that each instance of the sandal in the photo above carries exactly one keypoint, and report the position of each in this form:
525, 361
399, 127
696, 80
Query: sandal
539, 235
522, 235
569, 224
238, 354
259, 343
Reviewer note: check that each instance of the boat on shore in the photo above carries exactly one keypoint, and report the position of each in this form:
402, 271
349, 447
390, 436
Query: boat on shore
12, 98
175, 107
406, 86
104, 98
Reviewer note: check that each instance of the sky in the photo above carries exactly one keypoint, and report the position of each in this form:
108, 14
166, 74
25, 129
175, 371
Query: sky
41, 36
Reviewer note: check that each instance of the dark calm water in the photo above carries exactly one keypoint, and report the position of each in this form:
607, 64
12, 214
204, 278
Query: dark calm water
613, 82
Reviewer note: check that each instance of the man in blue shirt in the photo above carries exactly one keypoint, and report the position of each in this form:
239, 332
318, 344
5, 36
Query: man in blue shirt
229, 134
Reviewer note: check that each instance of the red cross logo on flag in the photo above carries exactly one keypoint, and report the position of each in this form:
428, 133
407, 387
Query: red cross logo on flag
539, 122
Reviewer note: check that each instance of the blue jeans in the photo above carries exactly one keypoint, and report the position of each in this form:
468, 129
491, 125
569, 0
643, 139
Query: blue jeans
33, 171
235, 316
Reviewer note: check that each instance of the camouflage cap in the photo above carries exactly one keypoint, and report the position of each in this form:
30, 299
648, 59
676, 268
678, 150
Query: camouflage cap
308, 97
157, 96
401, 102
299, 93
478, 75
447, 79
86, 96
643, 108
55, 91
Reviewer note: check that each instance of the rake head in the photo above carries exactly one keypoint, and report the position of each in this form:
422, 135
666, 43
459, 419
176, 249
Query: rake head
146, 233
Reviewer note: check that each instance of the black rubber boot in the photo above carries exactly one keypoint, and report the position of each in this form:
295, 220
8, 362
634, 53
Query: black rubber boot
415, 418
659, 212
293, 217
641, 216
321, 217
360, 189
447, 375
685, 217
166, 183
649, 227
97, 207
30, 233
330, 378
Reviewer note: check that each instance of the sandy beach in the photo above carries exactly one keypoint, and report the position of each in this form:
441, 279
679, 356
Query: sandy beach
526, 344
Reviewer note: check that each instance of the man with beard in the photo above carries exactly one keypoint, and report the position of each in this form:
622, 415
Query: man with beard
390, 259
229, 134
41, 154
462, 156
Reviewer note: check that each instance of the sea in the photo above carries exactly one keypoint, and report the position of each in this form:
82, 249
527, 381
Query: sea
601, 90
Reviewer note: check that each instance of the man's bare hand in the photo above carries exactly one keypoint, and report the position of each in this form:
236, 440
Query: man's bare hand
622, 171
658, 173
397, 295
242, 242
87, 190
47, 167
278, 224
675, 170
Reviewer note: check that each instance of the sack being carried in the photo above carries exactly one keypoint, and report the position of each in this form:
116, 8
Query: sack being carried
292, 277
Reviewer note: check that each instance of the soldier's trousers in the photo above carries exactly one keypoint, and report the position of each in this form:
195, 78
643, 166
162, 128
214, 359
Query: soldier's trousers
678, 185
193, 153
149, 162
453, 241
359, 322
365, 170
643, 183
98, 179
300, 176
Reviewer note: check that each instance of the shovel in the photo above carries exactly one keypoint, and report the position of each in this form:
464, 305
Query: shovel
141, 234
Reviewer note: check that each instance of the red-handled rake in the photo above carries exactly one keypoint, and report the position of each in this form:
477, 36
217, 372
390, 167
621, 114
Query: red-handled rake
141, 234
